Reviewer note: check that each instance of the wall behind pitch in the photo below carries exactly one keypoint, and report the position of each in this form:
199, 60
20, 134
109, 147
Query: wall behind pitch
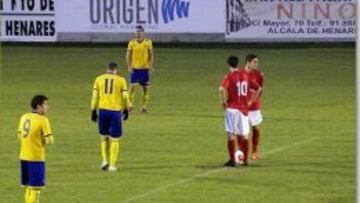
178, 20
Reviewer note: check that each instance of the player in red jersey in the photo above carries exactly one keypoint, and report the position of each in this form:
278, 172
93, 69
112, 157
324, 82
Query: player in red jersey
253, 91
255, 116
235, 101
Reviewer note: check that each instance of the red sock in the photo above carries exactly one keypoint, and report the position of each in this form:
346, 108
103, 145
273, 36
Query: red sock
239, 142
255, 138
244, 146
231, 149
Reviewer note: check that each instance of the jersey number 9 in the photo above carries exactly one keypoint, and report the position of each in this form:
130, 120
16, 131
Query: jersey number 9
26, 127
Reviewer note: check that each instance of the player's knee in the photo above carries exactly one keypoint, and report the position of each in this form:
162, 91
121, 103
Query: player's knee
245, 137
132, 88
104, 138
35, 189
231, 137
113, 139
145, 89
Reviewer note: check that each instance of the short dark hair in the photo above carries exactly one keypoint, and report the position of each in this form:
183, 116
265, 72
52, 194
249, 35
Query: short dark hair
112, 66
139, 27
233, 61
38, 100
250, 57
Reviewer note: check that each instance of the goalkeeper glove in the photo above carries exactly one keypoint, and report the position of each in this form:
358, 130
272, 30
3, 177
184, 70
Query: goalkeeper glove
94, 115
126, 114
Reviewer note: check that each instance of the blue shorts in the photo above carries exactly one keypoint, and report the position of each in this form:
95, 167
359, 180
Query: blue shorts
140, 76
32, 173
110, 123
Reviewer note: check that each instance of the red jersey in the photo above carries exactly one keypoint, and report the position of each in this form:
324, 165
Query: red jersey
237, 85
256, 76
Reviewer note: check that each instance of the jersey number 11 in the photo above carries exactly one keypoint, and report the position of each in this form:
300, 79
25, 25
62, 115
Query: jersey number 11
109, 87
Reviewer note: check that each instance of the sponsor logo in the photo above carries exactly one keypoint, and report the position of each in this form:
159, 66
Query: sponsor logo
237, 17
131, 12
171, 7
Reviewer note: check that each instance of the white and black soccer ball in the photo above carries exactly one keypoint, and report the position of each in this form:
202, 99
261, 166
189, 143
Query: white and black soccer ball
239, 156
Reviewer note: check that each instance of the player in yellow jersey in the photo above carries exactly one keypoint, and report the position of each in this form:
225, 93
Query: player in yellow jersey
140, 58
110, 97
34, 133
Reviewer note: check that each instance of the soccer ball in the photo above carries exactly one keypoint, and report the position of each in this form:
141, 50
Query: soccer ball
239, 156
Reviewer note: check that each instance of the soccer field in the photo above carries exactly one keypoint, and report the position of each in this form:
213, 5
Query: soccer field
176, 152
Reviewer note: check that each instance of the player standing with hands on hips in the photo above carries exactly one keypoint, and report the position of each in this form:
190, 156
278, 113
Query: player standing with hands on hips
140, 59
110, 97
255, 116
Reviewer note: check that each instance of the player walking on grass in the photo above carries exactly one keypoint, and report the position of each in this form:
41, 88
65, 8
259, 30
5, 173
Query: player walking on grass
235, 101
34, 133
110, 97
255, 116
140, 58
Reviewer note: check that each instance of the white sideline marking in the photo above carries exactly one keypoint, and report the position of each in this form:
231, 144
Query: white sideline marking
191, 178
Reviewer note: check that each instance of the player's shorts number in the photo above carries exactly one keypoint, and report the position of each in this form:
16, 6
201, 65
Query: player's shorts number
26, 127
242, 88
109, 87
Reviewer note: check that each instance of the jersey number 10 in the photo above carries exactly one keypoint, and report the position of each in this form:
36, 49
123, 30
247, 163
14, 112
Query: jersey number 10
109, 87
242, 88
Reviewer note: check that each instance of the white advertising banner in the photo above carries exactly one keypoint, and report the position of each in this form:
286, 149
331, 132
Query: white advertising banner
290, 19
30, 20
247, 20
157, 16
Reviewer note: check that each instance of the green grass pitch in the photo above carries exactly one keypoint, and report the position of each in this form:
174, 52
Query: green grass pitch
176, 152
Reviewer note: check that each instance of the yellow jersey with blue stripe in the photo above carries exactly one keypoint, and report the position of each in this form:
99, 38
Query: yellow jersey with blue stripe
110, 93
140, 53
32, 132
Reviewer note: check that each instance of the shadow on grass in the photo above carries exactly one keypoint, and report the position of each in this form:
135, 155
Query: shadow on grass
221, 165
191, 115
154, 167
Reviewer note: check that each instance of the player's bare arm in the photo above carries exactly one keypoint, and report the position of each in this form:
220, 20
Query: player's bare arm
49, 140
262, 87
223, 97
151, 57
128, 60
94, 103
255, 95
126, 102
